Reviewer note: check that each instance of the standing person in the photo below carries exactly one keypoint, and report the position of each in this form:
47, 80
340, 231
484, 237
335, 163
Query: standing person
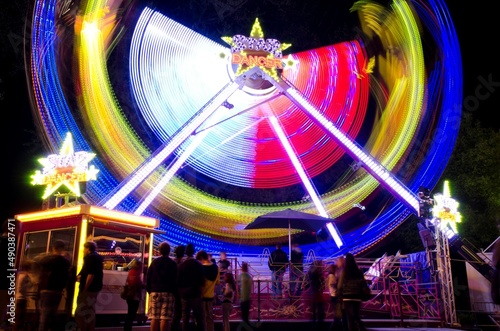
224, 264
26, 285
90, 278
351, 280
316, 279
278, 262
227, 301
190, 280
340, 263
336, 302
54, 276
179, 257
212, 278
134, 283
161, 286
297, 270
246, 283
179, 254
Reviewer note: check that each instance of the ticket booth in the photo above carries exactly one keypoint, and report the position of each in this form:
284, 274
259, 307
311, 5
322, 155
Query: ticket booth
120, 237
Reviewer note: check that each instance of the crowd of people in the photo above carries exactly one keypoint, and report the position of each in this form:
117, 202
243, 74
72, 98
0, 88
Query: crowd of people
343, 279
51, 274
184, 288
187, 302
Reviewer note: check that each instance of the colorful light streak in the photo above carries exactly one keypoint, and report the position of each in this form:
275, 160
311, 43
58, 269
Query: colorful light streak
303, 176
172, 170
351, 147
412, 136
90, 211
160, 155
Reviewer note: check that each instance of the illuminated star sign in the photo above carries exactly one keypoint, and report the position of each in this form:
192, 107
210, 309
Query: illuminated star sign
66, 168
446, 209
255, 51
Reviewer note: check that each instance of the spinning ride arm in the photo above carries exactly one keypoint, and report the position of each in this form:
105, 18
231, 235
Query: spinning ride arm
165, 150
370, 164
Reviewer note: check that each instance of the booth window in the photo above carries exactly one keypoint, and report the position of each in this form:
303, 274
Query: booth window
118, 248
39, 243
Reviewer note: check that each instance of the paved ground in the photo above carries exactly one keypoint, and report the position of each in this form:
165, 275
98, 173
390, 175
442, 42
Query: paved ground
369, 329
308, 329
372, 325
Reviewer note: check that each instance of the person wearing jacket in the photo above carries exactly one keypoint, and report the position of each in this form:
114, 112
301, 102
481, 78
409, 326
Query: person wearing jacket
332, 281
161, 285
179, 258
278, 263
53, 279
227, 302
349, 289
91, 281
245, 283
212, 278
134, 285
190, 281
296, 271
316, 280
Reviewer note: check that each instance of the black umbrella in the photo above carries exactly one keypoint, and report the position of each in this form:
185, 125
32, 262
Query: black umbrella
289, 219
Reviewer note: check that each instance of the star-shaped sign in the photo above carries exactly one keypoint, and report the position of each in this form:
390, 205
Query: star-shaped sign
446, 209
255, 51
66, 168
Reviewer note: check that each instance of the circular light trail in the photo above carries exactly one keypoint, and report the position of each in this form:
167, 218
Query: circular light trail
401, 106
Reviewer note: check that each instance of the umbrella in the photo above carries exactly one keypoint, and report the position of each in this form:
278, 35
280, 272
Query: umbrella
289, 219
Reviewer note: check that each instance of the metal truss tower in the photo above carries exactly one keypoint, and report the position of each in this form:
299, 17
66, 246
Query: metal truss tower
444, 274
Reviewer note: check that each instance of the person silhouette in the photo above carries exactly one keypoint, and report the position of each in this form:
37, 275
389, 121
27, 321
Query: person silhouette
227, 301
161, 284
54, 276
316, 280
296, 270
134, 283
278, 263
245, 283
334, 270
190, 281
212, 279
349, 288
179, 257
90, 278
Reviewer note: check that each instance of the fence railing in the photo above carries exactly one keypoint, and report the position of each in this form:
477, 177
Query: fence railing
398, 291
